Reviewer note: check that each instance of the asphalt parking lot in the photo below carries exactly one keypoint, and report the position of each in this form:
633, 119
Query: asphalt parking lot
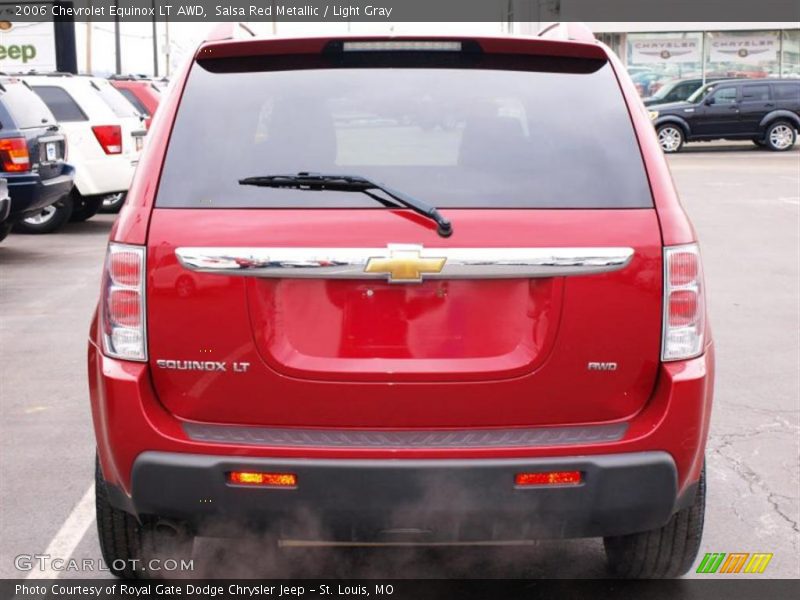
745, 204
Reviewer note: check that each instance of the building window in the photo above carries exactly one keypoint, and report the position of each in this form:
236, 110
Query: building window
654, 59
742, 53
791, 53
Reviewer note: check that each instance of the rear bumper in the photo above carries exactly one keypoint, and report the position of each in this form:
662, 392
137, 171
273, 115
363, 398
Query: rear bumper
30, 193
634, 480
366, 500
108, 175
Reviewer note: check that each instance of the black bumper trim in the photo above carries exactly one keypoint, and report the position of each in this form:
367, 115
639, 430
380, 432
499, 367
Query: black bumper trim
429, 500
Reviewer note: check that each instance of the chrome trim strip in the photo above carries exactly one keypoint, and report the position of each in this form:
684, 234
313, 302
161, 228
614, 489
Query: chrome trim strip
375, 438
350, 263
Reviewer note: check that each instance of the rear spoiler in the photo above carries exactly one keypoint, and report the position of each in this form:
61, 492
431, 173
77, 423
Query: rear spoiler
581, 43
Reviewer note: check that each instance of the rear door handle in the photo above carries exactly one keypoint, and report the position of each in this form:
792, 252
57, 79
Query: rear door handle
769, 104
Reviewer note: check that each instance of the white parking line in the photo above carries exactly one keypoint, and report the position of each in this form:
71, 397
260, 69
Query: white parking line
69, 536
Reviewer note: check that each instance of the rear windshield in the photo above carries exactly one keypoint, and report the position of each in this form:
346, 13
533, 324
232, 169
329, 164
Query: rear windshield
134, 100
61, 103
116, 101
454, 131
25, 107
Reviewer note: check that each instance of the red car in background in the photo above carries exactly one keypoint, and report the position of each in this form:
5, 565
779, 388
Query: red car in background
144, 94
336, 323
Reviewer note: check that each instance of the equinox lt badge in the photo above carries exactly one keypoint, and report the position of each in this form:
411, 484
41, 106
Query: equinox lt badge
201, 365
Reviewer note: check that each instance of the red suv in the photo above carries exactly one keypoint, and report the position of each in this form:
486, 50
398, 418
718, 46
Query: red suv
143, 94
403, 290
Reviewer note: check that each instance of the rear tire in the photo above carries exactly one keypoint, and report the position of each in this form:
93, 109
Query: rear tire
668, 551
780, 136
128, 545
50, 219
84, 207
670, 138
5, 229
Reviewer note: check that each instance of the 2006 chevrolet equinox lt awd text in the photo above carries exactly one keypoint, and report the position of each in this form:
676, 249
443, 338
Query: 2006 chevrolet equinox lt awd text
403, 290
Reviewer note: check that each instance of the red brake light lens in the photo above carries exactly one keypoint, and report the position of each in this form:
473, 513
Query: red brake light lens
683, 268
123, 314
684, 303
109, 137
14, 155
548, 478
123, 305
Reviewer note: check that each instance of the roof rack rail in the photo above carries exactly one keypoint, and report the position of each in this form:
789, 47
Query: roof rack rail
577, 32
228, 31
129, 77
41, 73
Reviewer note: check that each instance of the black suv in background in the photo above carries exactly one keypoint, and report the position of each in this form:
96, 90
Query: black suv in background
676, 90
766, 111
32, 152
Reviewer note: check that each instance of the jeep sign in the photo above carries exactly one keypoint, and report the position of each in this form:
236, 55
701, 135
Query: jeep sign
26, 47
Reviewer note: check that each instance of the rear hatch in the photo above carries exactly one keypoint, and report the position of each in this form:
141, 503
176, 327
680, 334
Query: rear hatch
295, 307
44, 140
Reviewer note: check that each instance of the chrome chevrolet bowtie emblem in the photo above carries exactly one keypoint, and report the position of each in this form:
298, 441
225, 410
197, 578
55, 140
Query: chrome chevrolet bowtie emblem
405, 264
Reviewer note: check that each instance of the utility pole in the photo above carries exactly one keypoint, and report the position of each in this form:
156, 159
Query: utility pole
117, 45
167, 44
155, 42
89, 28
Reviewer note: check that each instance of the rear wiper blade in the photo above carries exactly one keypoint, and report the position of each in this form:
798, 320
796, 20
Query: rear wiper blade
351, 183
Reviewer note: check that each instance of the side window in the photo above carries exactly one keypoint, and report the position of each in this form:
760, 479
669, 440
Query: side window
60, 103
724, 96
788, 92
755, 93
681, 92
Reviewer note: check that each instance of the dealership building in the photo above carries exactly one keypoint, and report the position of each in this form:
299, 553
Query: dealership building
702, 50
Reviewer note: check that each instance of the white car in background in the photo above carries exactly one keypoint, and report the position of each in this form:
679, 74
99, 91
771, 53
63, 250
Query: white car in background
105, 135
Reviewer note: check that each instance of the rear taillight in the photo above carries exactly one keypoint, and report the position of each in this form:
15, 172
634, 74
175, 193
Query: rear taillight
123, 314
110, 138
14, 155
684, 303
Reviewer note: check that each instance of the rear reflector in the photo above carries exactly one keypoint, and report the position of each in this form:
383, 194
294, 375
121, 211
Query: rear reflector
110, 138
123, 317
14, 155
684, 303
262, 479
401, 46
548, 478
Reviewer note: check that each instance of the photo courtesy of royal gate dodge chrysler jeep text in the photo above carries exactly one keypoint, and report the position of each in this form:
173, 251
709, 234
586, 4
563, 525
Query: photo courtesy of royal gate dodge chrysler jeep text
403, 290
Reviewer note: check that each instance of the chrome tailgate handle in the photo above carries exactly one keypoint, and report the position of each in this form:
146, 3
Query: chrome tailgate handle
403, 263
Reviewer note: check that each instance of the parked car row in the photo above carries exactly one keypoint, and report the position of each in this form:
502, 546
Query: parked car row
766, 111
69, 145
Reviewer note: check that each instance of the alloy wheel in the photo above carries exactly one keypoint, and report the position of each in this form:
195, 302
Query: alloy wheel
43, 216
670, 139
781, 137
